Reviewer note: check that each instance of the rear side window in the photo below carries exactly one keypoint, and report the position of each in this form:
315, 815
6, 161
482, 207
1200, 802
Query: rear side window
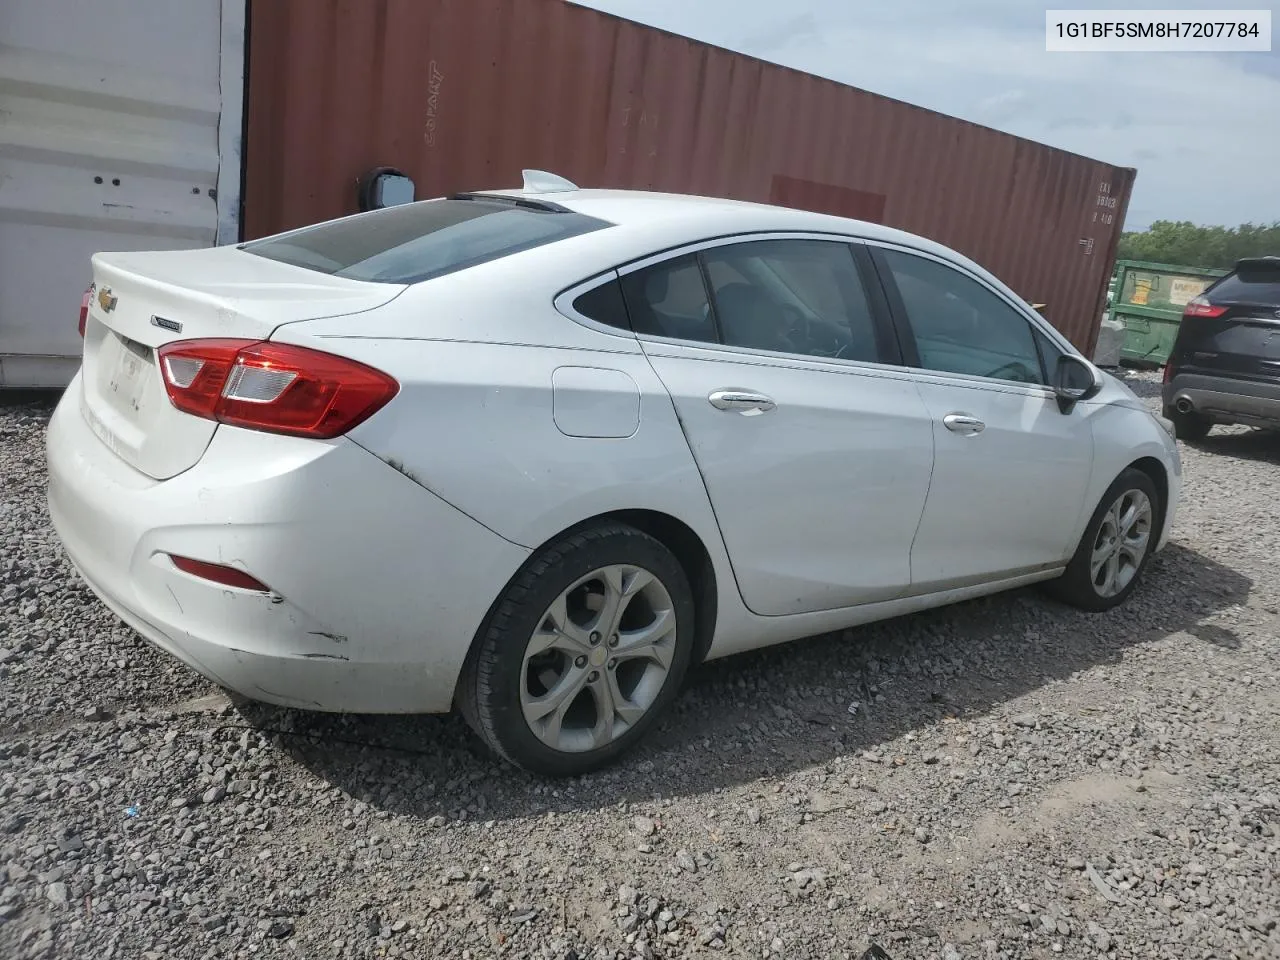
419, 241
604, 304
801, 297
1250, 284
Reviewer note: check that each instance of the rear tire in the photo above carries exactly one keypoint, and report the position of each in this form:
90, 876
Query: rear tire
1117, 544
582, 653
1188, 427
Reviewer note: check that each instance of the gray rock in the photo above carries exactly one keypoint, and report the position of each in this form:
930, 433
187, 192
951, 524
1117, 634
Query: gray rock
56, 893
1165, 700
644, 826
685, 861
215, 794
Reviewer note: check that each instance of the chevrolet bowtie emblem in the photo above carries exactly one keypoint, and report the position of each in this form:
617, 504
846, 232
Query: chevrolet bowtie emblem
107, 300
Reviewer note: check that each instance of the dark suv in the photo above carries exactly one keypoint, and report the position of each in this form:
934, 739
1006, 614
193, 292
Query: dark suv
1225, 364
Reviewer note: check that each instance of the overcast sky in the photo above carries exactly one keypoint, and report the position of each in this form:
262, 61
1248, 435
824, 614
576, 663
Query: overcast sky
1202, 129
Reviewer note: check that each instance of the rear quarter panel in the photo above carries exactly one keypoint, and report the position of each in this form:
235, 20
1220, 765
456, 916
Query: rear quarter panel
476, 424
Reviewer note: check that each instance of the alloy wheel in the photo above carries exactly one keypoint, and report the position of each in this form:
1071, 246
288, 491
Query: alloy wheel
598, 659
1121, 544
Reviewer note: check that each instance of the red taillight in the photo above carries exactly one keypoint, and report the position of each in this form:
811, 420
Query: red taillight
217, 573
84, 308
1168, 372
274, 387
1200, 307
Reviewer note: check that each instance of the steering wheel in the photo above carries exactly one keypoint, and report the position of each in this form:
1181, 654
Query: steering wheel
1016, 367
795, 330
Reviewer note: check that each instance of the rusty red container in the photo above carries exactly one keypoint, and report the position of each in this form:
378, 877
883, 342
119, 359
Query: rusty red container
463, 94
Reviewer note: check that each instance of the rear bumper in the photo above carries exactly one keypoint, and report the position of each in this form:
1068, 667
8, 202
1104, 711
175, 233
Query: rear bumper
1225, 399
377, 585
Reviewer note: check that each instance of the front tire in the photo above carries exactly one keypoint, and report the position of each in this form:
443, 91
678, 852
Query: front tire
1116, 546
582, 653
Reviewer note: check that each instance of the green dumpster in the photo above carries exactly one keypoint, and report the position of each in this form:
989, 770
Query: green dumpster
1149, 300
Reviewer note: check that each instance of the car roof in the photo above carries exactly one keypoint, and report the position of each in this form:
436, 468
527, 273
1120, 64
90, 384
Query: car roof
646, 224
689, 216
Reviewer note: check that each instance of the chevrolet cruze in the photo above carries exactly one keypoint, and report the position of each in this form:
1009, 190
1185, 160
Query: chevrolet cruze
531, 454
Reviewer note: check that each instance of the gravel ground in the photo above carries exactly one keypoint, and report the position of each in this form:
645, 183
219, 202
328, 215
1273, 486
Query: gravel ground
1007, 778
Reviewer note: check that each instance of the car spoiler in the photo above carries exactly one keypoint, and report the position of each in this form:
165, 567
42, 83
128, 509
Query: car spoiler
1258, 265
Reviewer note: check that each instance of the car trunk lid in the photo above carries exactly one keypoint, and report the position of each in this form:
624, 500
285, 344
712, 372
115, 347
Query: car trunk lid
142, 301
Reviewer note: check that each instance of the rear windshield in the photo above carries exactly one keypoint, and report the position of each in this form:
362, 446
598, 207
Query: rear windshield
418, 241
1250, 284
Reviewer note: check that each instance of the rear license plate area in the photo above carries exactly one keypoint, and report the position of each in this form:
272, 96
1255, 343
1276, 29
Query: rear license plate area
128, 371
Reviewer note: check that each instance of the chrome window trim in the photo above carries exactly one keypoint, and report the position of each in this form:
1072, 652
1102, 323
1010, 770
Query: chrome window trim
564, 304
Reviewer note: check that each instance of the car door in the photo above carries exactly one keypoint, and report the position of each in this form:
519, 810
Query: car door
813, 443
1010, 469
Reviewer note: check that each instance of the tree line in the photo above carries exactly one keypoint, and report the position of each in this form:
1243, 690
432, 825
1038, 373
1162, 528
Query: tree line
1183, 242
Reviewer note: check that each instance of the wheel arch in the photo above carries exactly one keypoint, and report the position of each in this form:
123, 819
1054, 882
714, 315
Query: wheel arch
1155, 470
674, 534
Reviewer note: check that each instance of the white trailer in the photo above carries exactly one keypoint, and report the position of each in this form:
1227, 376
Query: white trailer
120, 129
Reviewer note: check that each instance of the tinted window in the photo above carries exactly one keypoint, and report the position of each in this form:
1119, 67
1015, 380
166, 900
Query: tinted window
962, 327
670, 300
418, 241
1260, 284
604, 305
792, 296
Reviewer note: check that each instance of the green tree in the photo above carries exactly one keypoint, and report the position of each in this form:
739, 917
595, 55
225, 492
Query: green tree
1186, 243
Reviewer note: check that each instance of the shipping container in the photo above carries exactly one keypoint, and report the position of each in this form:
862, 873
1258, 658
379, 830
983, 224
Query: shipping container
1149, 300
463, 94
124, 133
120, 129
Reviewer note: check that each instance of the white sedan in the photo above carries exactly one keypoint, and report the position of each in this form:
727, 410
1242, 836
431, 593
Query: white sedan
533, 453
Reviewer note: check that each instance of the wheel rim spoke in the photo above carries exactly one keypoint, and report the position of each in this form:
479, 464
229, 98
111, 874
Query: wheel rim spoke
558, 632
602, 732
626, 711
652, 642
621, 584
1100, 555
546, 713
1110, 569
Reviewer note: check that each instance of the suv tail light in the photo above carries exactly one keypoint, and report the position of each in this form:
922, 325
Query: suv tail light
274, 387
84, 308
1168, 371
1200, 307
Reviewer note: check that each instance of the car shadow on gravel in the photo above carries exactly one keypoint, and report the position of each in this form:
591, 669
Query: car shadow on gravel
775, 711
1261, 446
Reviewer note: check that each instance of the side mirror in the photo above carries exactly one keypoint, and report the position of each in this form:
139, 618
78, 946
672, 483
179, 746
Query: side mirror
1074, 380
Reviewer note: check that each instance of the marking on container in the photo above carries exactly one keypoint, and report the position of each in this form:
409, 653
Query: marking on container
436, 78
